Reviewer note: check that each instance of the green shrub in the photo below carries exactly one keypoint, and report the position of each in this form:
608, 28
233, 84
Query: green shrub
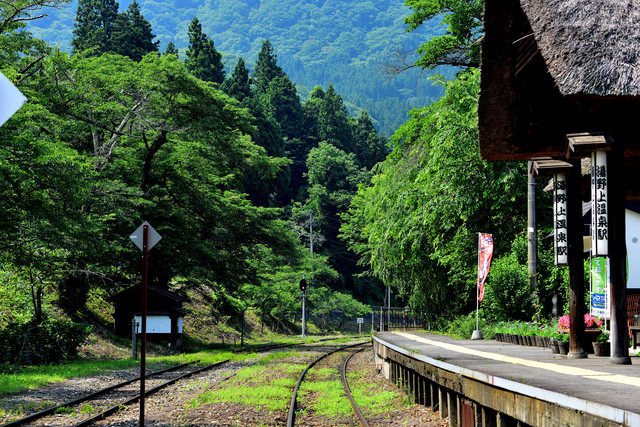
52, 341
463, 326
507, 294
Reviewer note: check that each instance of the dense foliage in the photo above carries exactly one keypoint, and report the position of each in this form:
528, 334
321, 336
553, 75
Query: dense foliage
417, 226
348, 43
109, 140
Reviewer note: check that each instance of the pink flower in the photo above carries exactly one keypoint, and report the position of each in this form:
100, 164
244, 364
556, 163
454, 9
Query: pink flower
563, 323
589, 322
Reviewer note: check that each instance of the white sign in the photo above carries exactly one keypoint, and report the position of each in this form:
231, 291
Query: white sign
599, 205
152, 236
360, 319
560, 240
600, 287
157, 324
12, 99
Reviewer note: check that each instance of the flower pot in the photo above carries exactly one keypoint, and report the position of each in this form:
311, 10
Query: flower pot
553, 345
563, 347
539, 341
602, 349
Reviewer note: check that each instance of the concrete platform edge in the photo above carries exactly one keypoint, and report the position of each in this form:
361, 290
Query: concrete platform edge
606, 412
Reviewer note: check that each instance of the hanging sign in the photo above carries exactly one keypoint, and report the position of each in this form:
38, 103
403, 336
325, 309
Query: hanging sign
560, 241
599, 288
599, 205
485, 252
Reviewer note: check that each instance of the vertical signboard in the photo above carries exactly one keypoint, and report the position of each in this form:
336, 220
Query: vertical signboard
599, 205
485, 252
599, 287
560, 241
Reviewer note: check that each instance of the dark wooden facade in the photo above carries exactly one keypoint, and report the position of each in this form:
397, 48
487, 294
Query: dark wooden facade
160, 302
553, 68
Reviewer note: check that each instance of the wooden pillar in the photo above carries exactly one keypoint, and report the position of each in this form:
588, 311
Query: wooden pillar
576, 261
618, 257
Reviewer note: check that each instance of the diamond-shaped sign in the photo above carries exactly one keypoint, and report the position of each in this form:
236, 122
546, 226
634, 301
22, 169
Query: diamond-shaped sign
152, 236
12, 99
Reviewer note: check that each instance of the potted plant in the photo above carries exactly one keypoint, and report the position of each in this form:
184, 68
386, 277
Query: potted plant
563, 343
602, 346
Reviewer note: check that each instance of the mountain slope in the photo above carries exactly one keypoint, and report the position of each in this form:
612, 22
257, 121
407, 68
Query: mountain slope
344, 42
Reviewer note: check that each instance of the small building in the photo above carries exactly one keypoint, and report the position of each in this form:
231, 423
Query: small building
164, 314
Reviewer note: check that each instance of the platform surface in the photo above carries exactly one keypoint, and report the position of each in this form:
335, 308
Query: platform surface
594, 379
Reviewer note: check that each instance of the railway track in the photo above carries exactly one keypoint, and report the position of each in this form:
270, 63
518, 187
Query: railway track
99, 405
343, 369
111, 399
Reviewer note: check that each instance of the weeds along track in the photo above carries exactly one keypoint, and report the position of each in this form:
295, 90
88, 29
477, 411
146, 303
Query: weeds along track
274, 346
293, 407
110, 400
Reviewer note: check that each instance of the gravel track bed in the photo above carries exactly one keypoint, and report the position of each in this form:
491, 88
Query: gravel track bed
168, 407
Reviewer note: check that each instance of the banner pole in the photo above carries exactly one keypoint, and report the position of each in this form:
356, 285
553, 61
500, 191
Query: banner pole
477, 334
478, 286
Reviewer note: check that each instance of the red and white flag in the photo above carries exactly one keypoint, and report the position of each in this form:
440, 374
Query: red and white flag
485, 252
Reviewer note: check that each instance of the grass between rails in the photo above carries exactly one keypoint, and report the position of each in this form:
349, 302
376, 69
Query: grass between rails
31, 377
370, 396
260, 386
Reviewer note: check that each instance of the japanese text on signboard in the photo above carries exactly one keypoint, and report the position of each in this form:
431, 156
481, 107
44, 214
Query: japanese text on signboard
561, 243
599, 206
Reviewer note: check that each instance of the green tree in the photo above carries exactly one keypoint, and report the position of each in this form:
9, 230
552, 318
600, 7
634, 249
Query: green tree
238, 84
171, 50
323, 301
266, 68
283, 104
266, 190
93, 25
334, 125
417, 225
370, 148
132, 34
460, 46
203, 60
166, 147
334, 177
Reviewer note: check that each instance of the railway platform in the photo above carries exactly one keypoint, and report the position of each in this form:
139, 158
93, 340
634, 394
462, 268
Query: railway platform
484, 382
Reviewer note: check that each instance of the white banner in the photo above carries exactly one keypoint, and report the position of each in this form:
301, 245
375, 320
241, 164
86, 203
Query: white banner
599, 205
560, 240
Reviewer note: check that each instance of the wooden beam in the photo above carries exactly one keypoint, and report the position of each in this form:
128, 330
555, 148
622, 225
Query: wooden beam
548, 166
583, 144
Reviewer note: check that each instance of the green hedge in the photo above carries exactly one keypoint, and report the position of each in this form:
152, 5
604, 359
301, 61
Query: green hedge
52, 341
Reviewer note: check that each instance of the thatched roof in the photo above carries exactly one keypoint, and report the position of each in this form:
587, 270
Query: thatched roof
590, 47
556, 67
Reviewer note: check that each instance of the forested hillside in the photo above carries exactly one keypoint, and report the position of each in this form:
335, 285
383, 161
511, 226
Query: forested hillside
227, 165
344, 42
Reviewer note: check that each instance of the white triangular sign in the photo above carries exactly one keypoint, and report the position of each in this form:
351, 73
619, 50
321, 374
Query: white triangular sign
11, 99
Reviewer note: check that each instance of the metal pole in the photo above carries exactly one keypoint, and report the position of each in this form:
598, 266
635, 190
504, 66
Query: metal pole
303, 314
311, 244
389, 307
134, 338
242, 334
478, 287
532, 247
143, 355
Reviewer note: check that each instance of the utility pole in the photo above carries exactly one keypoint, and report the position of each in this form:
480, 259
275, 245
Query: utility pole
303, 289
532, 247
